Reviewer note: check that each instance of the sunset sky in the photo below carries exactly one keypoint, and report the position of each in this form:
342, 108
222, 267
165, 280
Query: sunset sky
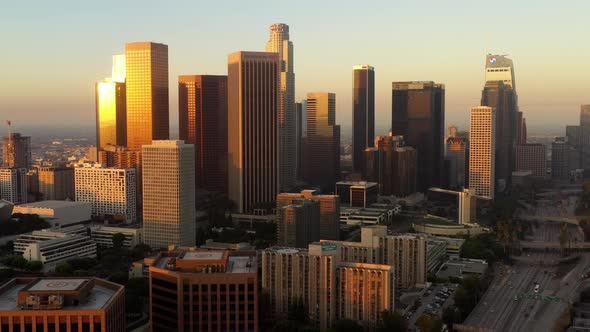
54, 51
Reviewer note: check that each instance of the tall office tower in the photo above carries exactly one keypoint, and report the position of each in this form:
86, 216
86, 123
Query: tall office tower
112, 191
574, 140
456, 156
169, 194
202, 113
329, 210
33, 184
13, 185
392, 165
62, 304
363, 112
199, 290
111, 113
279, 43
500, 93
532, 157
253, 151
298, 223
321, 162
146, 70
523, 132
298, 136
56, 183
120, 157
16, 151
119, 68
482, 147
418, 114
453, 131
518, 128
501, 97
585, 136
560, 159
373, 286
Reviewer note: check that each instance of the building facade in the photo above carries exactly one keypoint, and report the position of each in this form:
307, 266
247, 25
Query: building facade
16, 151
456, 149
418, 114
62, 304
13, 185
103, 236
253, 151
169, 214
202, 113
279, 43
392, 165
329, 210
56, 183
482, 151
298, 223
357, 193
146, 93
321, 148
201, 290
532, 157
111, 113
363, 112
560, 166
112, 191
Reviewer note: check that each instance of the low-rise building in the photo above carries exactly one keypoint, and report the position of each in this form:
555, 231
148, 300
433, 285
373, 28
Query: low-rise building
59, 214
103, 236
53, 248
436, 251
461, 268
374, 214
62, 304
242, 246
357, 193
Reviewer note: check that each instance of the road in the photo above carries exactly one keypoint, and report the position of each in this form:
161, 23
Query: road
499, 310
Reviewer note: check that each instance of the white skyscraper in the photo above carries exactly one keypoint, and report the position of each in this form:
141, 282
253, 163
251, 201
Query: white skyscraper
279, 43
169, 194
482, 151
13, 185
500, 68
111, 191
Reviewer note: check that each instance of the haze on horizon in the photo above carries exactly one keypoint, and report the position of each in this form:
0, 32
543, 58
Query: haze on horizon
59, 49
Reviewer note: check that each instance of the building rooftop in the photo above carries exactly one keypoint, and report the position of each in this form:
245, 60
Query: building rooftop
100, 292
194, 260
202, 255
363, 184
53, 204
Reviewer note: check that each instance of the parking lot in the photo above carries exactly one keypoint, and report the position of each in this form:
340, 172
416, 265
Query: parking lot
433, 301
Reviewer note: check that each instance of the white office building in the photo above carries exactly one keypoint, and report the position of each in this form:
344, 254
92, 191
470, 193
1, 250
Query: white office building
112, 191
482, 151
103, 236
169, 194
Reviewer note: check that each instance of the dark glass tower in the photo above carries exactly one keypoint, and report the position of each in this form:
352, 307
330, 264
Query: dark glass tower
363, 113
418, 114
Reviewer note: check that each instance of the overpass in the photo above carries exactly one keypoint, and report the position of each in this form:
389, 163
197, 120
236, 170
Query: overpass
553, 245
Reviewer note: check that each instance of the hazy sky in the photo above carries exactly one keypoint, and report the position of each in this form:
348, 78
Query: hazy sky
53, 51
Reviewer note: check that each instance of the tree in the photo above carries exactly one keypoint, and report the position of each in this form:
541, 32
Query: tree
428, 323
64, 270
34, 266
345, 325
285, 325
392, 322
298, 311
118, 240
7, 274
120, 277
450, 316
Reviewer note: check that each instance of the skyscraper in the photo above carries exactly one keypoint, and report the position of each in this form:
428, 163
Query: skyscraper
456, 156
321, 162
16, 151
418, 114
298, 135
363, 112
253, 151
147, 93
202, 113
279, 43
501, 98
111, 114
482, 147
168, 194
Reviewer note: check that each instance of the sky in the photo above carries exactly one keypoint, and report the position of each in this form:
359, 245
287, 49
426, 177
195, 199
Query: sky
53, 52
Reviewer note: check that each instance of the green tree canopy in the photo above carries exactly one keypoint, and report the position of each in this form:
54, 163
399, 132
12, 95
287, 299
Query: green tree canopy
392, 322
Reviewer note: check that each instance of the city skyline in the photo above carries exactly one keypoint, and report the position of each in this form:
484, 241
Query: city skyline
456, 61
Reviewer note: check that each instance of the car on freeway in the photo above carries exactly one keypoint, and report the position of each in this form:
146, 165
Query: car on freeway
537, 288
